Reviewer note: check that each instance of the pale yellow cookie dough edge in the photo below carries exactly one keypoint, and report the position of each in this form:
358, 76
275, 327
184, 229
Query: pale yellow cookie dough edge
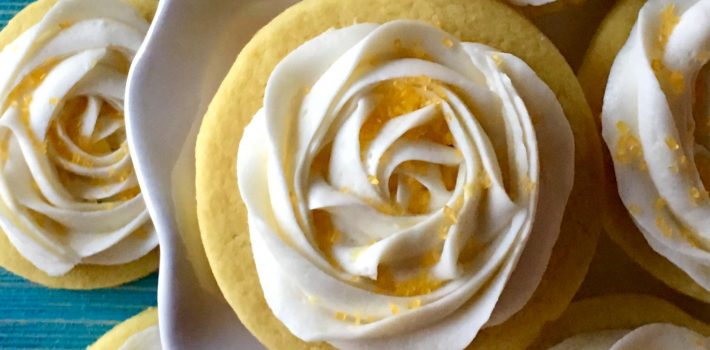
117, 336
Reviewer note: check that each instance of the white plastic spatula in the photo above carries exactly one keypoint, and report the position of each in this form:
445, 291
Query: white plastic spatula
188, 50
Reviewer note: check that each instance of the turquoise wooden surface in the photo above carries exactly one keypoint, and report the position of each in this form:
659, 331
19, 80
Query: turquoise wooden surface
34, 317
9, 8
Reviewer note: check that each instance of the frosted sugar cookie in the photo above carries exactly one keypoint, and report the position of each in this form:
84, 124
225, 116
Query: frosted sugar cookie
405, 178
645, 75
71, 212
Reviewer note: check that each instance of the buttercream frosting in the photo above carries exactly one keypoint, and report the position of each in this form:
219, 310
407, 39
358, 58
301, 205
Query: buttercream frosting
404, 189
68, 193
656, 125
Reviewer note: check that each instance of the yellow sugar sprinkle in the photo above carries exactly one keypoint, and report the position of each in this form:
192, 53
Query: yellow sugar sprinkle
450, 214
414, 304
42, 146
431, 258
394, 309
497, 59
64, 25
694, 193
662, 225
341, 316
622, 127
528, 184
688, 236
444, 231
358, 319
672, 143
628, 147
53, 101
373, 180
418, 284
669, 19
660, 203
468, 189
458, 203
634, 209
486, 182
657, 65
697, 195
448, 42
306, 89
683, 162
26, 101
677, 81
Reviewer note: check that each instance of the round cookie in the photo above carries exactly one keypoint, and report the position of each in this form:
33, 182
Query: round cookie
82, 276
223, 217
622, 311
593, 75
118, 335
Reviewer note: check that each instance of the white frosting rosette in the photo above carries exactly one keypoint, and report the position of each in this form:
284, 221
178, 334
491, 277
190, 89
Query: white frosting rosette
68, 194
656, 336
403, 189
656, 124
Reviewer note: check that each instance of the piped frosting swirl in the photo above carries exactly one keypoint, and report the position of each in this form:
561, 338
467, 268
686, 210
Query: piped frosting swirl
68, 193
401, 185
656, 124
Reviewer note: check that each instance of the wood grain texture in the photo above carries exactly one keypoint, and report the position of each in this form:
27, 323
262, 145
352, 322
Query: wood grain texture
34, 317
